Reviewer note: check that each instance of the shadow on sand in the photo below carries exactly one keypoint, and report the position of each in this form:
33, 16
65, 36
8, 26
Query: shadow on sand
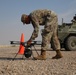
9, 58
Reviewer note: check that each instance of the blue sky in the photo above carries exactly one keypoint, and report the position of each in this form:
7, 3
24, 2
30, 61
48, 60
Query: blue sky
11, 27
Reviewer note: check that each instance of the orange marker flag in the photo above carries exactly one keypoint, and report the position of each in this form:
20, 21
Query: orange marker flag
21, 48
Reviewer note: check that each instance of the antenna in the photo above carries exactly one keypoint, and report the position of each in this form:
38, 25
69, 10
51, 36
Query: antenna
62, 20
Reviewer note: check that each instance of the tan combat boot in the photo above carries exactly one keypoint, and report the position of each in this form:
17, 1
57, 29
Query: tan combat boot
42, 56
58, 55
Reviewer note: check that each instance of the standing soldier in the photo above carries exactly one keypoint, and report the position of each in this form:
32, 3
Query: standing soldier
50, 21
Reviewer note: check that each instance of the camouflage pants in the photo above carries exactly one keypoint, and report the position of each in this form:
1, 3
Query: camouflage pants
51, 37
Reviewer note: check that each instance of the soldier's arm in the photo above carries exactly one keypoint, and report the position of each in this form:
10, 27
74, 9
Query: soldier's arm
50, 21
47, 29
48, 24
35, 31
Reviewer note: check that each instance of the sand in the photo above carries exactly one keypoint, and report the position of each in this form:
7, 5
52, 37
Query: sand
63, 66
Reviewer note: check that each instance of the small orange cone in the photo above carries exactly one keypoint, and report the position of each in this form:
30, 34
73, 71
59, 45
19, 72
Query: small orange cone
21, 48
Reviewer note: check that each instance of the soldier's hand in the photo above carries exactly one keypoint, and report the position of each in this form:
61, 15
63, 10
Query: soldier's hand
29, 42
22, 43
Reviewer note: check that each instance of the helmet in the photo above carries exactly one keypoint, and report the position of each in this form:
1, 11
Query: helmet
23, 18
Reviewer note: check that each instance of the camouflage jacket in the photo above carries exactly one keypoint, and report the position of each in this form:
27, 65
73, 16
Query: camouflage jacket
38, 17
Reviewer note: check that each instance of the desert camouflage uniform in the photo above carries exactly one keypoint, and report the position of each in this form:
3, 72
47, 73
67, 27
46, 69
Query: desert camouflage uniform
50, 21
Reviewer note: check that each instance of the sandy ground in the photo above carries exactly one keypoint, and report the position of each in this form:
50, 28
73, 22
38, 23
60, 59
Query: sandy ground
63, 66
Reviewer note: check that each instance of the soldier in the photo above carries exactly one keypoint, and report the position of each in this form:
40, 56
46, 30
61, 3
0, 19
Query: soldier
50, 21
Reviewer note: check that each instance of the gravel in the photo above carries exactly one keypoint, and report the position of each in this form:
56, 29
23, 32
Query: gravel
63, 66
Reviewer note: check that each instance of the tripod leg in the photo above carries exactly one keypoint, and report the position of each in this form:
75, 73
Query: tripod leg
15, 56
36, 50
23, 56
32, 53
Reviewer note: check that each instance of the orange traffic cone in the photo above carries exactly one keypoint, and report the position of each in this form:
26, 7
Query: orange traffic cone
21, 48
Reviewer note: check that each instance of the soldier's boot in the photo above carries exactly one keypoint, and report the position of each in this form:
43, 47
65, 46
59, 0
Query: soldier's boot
58, 55
42, 56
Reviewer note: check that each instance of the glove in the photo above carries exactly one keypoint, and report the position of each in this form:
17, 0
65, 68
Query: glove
29, 42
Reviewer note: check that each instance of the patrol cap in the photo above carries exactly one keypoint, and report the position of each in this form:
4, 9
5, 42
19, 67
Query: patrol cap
23, 18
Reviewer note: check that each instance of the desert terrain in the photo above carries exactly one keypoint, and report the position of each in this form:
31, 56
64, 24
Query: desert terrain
28, 66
